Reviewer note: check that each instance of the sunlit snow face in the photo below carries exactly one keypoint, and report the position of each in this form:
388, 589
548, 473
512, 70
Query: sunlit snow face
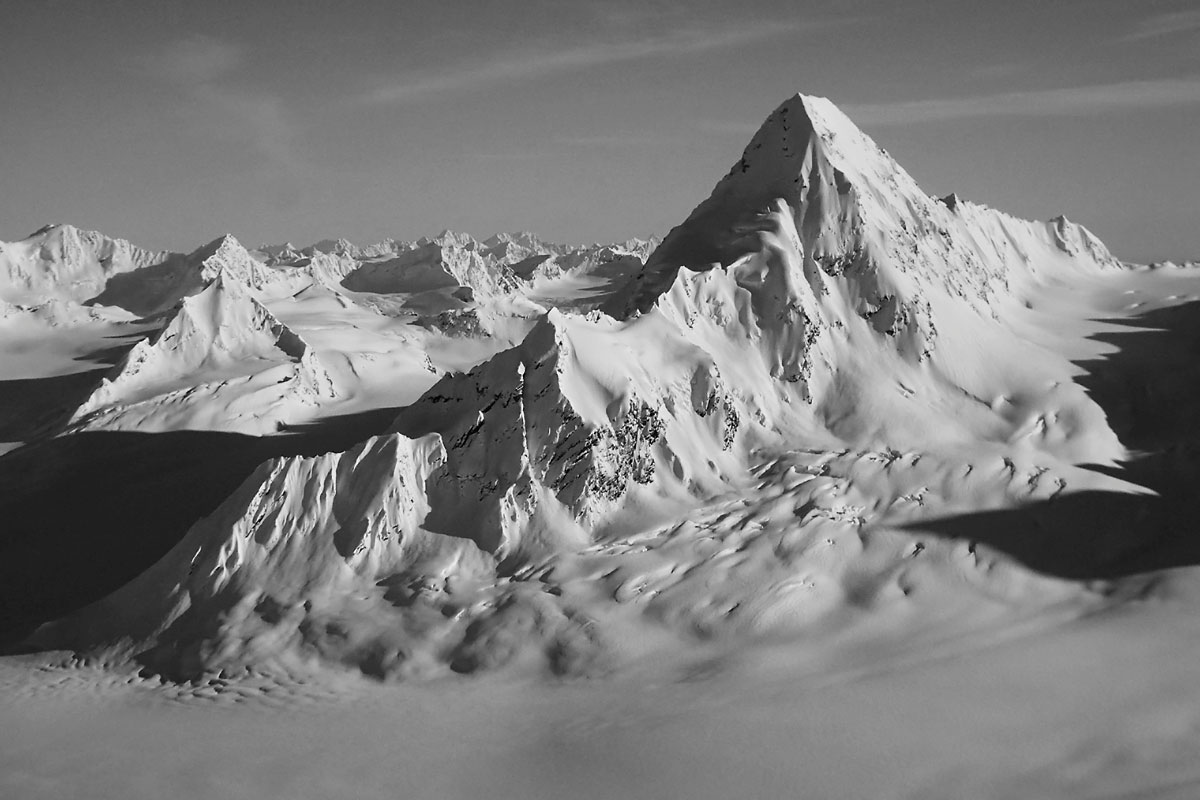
408, 459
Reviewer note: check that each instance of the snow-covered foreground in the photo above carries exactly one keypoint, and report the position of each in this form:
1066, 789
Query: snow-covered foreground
840, 490
1099, 707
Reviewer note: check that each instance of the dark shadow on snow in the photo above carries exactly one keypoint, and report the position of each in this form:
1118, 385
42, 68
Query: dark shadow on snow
113, 354
82, 514
33, 407
1150, 390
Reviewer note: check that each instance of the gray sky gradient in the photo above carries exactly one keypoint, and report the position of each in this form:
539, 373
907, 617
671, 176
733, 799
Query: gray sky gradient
173, 122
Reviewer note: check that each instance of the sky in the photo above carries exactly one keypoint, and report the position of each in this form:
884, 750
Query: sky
170, 123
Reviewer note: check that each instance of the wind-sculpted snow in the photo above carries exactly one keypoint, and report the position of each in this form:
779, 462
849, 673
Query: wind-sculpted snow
578, 454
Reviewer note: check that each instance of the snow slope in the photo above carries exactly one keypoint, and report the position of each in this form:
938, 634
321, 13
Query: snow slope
820, 357
840, 486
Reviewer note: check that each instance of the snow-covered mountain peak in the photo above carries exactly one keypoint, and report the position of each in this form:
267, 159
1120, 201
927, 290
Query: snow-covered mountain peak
845, 195
222, 333
330, 246
223, 244
519, 238
805, 149
65, 262
222, 318
61, 241
449, 238
1076, 240
162, 285
226, 254
858, 221
819, 353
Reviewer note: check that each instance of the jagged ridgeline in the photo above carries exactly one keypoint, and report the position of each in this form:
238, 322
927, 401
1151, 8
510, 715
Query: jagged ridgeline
818, 301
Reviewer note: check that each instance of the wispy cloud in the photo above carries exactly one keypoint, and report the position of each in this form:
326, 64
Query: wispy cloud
1067, 102
997, 71
197, 59
259, 121
1168, 24
204, 70
525, 64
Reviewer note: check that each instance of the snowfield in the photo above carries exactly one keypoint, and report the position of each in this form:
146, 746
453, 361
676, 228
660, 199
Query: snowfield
839, 490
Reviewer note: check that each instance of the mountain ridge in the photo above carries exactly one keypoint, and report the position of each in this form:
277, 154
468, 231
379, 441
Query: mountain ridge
819, 354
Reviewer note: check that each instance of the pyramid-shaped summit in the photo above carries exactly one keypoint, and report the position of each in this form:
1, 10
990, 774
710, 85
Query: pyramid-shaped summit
157, 288
222, 324
226, 254
220, 332
854, 215
806, 154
